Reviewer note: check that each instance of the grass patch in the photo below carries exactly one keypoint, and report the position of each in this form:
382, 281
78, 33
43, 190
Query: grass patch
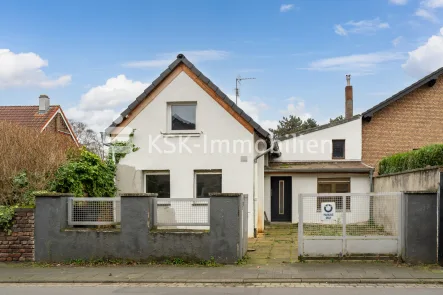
127, 262
358, 229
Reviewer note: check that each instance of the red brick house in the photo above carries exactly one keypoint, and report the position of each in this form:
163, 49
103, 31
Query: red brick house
408, 120
45, 117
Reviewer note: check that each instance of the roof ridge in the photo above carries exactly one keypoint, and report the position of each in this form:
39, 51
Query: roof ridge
417, 84
182, 59
321, 127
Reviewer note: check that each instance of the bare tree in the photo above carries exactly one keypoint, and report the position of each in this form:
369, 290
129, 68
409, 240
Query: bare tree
88, 138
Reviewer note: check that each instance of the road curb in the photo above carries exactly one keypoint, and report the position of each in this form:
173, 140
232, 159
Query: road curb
235, 281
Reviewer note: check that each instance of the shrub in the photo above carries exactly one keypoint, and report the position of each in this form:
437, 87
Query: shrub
28, 160
6, 217
85, 175
431, 155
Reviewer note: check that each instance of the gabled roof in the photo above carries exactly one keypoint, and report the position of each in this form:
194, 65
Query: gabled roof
321, 127
27, 116
429, 79
181, 59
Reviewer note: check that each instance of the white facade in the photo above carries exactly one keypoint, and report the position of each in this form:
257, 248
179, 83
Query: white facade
317, 146
307, 183
211, 146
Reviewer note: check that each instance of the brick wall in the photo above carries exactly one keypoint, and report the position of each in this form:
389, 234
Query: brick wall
57, 124
19, 245
411, 122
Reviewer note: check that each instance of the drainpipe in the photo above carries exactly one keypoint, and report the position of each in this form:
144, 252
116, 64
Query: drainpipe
254, 213
371, 198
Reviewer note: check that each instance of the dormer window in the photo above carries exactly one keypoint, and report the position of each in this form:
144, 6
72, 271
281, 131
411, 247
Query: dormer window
338, 149
182, 116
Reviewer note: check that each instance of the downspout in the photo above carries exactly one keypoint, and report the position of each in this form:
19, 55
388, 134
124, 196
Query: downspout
371, 198
254, 213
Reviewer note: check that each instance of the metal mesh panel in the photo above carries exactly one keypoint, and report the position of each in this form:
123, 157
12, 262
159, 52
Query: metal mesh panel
93, 211
354, 214
182, 212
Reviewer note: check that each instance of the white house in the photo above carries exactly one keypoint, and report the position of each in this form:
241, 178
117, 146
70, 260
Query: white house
192, 140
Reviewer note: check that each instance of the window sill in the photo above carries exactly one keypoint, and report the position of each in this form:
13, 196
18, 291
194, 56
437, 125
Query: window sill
182, 133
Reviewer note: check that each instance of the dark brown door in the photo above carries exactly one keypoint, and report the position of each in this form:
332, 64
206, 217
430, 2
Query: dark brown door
281, 198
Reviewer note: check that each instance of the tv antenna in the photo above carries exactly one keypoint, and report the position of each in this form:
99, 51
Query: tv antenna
237, 83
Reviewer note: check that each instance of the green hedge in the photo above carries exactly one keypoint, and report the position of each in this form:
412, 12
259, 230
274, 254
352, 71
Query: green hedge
431, 155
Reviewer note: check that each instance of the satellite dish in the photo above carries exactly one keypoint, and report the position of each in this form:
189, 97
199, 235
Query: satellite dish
118, 120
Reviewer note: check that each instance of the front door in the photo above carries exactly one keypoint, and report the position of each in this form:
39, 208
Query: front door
281, 198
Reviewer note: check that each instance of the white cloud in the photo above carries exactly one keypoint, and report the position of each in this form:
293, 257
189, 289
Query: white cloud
433, 3
25, 69
426, 58
398, 2
397, 41
362, 63
102, 104
339, 30
286, 7
360, 27
296, 108
426, 14
163, 60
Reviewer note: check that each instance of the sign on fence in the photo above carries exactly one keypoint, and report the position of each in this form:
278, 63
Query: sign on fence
328, 212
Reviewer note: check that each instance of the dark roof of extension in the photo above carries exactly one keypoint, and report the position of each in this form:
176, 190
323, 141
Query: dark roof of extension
428, 79
182, 59
318, 167
321, 127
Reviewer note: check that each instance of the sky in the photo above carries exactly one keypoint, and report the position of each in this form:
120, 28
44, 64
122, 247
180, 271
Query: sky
95, 57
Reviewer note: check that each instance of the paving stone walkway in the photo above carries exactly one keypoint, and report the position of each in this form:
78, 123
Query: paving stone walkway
279, 244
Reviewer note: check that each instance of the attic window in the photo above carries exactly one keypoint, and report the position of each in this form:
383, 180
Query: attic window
182, 116
338, 149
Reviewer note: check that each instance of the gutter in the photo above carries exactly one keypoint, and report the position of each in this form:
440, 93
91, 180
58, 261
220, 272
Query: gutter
320, 170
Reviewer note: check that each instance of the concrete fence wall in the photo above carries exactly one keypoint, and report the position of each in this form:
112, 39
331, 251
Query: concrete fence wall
426, 179
137, 239
420, 210
420, 227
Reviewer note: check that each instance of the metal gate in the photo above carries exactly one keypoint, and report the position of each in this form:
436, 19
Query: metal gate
332, 225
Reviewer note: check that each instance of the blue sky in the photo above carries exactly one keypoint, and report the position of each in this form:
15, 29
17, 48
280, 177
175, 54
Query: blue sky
95, 57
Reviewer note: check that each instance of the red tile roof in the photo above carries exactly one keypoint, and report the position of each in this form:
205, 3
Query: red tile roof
27, 115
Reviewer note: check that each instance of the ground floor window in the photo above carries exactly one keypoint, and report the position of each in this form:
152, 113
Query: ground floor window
334, 185
158, 182
207, 182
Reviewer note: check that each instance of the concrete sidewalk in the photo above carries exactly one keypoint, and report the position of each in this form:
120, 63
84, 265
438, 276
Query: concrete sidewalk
344, 272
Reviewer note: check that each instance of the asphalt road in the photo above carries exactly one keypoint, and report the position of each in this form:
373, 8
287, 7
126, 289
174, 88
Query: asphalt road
131, 290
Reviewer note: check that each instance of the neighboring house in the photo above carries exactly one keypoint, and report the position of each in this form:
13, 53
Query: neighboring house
408, 120
193, 140
43, 117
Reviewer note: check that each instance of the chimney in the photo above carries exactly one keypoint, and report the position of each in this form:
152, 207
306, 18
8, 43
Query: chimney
349, 98
43, 105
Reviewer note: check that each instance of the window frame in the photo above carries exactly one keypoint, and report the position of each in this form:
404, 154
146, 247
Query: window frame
333, 181
156, 172
169, 116
344, 149
206, 172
